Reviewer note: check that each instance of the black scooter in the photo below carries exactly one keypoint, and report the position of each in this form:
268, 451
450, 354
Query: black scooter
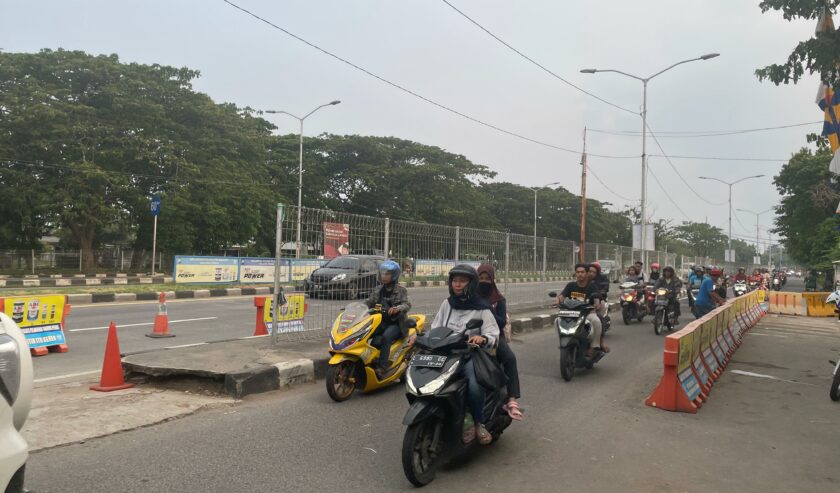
436, 390
573, 330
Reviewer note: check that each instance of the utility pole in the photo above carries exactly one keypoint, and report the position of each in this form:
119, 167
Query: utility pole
583, 201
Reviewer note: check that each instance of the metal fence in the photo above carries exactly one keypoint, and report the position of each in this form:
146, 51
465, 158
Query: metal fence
32, 262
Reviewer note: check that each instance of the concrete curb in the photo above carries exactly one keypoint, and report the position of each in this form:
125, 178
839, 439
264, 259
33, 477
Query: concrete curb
80, 280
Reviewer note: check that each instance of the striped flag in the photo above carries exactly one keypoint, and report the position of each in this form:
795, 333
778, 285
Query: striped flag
829, 102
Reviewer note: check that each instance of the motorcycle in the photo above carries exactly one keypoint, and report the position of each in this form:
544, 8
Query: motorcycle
834, 392
354, 355
740, 288
664, 314
573, 330
436, 391
630, 306
752, 286
777, 285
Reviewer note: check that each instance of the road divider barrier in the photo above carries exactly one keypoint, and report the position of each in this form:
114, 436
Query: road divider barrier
161, 326
41, 319
695, 357
786, 303
112, 373
816, 306
289, 319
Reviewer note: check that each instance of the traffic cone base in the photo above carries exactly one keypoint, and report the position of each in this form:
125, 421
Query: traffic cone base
112, 373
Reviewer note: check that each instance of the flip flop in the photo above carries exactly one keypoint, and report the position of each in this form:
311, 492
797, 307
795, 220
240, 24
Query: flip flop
513, 410
484, 436
469, 435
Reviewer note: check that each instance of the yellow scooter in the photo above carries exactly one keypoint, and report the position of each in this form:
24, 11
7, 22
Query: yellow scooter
354, 357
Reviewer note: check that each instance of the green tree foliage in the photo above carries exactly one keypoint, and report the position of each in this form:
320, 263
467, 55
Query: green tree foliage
819, 54
806, 215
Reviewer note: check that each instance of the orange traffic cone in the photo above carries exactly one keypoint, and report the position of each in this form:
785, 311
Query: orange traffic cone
161, 328
112, 373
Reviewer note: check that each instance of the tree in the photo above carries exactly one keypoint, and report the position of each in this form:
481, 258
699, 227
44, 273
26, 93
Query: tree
706, 240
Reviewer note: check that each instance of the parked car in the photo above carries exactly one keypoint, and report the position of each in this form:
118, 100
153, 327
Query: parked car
350, 276
15, 401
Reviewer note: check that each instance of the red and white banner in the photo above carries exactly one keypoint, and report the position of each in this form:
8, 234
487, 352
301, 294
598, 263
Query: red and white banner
336, 240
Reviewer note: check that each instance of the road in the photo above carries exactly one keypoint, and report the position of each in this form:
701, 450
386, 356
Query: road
201, 320
302, 441
757, 433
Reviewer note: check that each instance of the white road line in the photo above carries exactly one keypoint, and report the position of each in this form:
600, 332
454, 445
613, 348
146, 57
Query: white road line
145, 324
187, 345
69, 375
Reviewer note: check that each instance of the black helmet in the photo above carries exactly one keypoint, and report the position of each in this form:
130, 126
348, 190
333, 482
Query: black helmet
472, 287
668, 268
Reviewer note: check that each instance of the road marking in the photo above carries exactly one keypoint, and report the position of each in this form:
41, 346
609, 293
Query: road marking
156, 302
69, 375
145, 324
187, 345
770, 377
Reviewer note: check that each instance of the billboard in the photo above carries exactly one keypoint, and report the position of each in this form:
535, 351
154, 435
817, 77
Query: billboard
260, 270
39, 318
206, 270
336, 240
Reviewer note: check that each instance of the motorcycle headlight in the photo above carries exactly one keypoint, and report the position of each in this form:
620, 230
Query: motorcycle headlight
10, 370
339, 277
437, 383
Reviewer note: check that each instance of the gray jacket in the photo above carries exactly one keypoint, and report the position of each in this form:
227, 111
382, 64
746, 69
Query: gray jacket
457, 321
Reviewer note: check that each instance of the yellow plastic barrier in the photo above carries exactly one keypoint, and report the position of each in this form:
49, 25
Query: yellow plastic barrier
815, 303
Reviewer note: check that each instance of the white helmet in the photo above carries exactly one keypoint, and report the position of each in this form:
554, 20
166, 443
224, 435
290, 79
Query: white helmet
833, 298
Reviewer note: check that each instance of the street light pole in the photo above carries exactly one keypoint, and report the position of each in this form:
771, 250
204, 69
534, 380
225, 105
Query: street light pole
644, 81
300, 166
730, 184
757, 215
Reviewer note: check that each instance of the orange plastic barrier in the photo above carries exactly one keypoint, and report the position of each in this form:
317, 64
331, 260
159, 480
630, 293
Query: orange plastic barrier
695, 357
816, 306
786, 303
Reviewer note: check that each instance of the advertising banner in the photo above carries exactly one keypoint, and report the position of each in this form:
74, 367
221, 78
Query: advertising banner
39, 318
290, 318
206, 270
438, 267
336, 240
261, 270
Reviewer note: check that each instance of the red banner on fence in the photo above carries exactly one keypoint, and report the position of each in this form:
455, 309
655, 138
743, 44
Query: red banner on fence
336, 239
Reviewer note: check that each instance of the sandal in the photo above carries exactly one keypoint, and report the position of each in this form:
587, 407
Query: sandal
469, 435
513, 410
484, 436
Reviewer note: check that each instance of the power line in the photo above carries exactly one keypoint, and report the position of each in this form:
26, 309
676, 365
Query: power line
589, 169
667, 195
715, 158
678, 171
702, 133
541, 66
413, 93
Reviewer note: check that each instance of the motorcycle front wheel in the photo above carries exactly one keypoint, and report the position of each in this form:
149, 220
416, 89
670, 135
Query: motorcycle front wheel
625, 315
658, 320
421, 451
568, 361
340, 381
835, 388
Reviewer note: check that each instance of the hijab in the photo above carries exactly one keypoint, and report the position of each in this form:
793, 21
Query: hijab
493, 296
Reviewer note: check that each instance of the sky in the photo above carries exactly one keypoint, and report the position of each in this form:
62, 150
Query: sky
427, 47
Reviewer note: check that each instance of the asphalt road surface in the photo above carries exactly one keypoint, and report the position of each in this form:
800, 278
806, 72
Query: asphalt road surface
302, 441
201, 320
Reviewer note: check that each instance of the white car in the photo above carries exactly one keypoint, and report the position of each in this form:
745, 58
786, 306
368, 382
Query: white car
15, 401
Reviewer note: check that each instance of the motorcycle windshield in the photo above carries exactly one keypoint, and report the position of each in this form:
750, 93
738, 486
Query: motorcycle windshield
353, 314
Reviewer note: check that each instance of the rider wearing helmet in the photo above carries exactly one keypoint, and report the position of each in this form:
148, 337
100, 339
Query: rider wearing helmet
602, 282
654, 272
670, 282
393, 299
464, 304
694, 281
707, 296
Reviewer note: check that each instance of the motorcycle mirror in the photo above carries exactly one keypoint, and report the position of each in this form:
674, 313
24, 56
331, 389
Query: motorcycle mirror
552, 294
474, 323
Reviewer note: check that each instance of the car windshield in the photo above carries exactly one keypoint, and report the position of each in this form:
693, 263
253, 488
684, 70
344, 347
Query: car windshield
353, 314
343, 263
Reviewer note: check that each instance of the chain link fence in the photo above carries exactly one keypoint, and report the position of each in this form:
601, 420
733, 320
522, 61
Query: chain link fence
32, 262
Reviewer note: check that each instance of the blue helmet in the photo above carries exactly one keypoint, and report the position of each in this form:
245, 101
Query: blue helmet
392, 267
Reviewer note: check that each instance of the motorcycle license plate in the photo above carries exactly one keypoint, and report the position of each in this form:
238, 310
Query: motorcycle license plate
568, 313
428, 360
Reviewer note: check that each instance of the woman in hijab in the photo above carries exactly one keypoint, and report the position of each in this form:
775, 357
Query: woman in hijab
463, 305
488, 290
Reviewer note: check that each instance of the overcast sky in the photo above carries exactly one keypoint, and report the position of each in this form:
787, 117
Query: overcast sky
429, 48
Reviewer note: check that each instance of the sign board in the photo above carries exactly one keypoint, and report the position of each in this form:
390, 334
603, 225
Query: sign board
154, 205
729, 255
650, 238
260, 270
301, 268
206, 270
336, 240
40, 318
290, 317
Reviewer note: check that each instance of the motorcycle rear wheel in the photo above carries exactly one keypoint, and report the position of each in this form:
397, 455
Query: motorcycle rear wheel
340, 384
835, 388
421, 457
568, 362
